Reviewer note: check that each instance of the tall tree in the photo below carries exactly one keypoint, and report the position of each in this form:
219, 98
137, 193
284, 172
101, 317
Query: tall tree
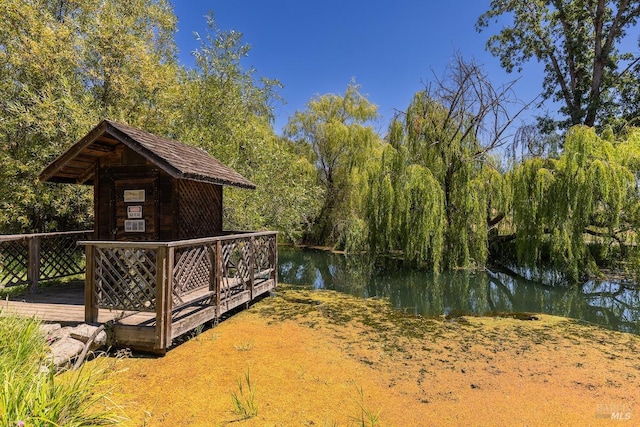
578, 43
129, 58
226, 110
63, 66
590, 193
338, 130
403, 210
447, 135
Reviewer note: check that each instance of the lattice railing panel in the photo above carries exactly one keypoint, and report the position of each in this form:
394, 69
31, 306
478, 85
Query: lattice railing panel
61, 256
235, 266
191, 271
14, 260
125, 279
265, 248
54, 255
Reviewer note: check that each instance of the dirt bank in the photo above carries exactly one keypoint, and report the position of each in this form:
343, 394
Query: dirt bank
326, 359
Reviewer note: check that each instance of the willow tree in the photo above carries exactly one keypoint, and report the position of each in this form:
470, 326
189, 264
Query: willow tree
338, 131
444, 142
404, 209
588, 195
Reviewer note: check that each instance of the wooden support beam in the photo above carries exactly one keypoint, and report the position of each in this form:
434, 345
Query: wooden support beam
168, 297
161, 285
218, 277
33, 265
88, 174
273, 257
90, 305
252, 262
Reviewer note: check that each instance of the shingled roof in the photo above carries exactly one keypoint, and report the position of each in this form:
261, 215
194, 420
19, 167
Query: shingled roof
77, 164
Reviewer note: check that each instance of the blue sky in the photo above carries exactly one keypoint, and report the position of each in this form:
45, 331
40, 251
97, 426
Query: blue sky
390, 48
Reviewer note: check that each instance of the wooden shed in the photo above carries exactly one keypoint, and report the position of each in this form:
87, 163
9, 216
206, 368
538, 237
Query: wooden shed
146, 187
160, 263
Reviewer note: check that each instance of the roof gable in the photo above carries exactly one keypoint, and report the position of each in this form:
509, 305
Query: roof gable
180, 161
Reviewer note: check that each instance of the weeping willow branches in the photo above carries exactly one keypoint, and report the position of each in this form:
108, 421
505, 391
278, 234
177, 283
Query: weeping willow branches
587, 191
405, 209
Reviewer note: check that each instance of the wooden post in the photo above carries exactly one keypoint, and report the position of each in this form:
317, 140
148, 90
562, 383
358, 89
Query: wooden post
33, 263
161, 285
168, 300
273, 257
275, 262
90, 305
252, 261
218, 278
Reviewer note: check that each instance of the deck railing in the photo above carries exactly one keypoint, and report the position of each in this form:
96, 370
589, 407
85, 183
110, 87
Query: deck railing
162, 277
32, 258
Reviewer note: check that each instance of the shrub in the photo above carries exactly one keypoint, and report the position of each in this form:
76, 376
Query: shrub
34, 395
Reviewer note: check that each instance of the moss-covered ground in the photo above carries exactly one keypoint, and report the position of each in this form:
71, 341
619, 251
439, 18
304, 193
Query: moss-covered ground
326, 359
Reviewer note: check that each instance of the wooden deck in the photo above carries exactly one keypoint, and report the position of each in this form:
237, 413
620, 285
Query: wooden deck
60, 304
153, 292
64, 304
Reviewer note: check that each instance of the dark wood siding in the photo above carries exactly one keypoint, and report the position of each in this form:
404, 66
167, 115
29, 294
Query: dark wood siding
168, 207
104, 203
149, 206
173, 209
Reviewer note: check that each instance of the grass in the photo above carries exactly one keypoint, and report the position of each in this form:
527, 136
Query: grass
34, 395
244, 346
197, 332
244, 400
367, 417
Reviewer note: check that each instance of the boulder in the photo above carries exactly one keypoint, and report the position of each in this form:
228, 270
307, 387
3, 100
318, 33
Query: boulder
48, 329
64, 350
68, 343
84, 332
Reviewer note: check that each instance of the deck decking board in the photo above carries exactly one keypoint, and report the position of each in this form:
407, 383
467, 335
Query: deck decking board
65, 304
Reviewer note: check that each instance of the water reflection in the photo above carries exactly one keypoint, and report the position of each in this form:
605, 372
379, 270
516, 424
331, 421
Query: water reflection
472, 292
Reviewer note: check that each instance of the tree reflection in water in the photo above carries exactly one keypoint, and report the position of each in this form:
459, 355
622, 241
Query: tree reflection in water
462, 291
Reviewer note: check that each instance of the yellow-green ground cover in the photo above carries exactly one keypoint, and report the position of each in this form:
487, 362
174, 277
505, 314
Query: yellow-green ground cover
326, 359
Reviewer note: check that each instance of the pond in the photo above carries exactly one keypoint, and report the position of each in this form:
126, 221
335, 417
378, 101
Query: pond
461, 292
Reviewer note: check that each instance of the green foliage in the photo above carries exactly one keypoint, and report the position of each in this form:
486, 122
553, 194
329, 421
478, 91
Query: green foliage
244, 401
586, 191
38, 397
235, 128
439, 192
287, 197
367, 417
578, 43
64, 66
405, 209
337, 128
435, 193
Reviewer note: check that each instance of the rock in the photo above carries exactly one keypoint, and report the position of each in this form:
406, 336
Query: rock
56, 334
47, 329
83, 333
67, 343
65, 349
